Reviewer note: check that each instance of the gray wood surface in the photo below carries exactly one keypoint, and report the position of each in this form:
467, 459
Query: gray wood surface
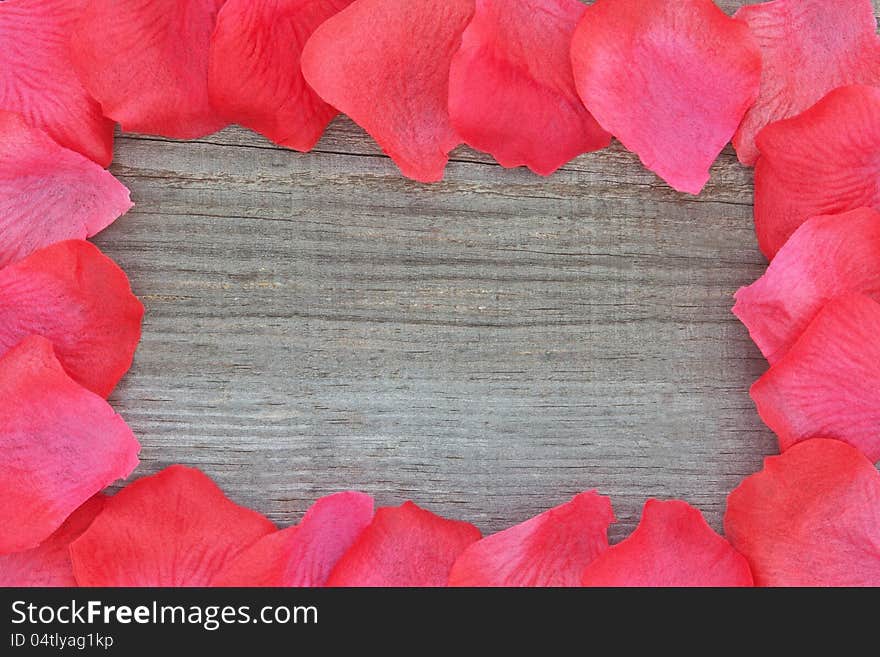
487, 346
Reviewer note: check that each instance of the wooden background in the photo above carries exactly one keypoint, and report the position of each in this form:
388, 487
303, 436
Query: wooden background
487, 346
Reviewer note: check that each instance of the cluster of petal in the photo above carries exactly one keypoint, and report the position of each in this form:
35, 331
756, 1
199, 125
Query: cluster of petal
79, 299
305, 554
386, 65
49, 193
673, 546
37, 79
532, 82
60, 444
511, 87
146, 62
808, 48
811, 517
825, 160
828, 384
551, 549
670, 80
826, 257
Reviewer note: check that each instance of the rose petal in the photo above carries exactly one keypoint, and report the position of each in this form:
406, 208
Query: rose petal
670, 80
147, 63
59, 445
672, 546
49, 193
48, 564
386, 63
808, 47
828, 384
511, 89
404, 546
37, 78
551, 549
823, 161
254, 77
174, 528
825, 258
77, 297
811, 517
305, 554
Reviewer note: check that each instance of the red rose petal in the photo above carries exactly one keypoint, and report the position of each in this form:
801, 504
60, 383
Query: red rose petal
37, 78
49, 193
59, 445
808, 47
551, 549
48, 564
254, 77
404, 546
823, 161
77, 297
825, 258
386, 63
174, 528
811, 517
672, 546
305, 554
146, 61
828, 384
511, 89
670, 80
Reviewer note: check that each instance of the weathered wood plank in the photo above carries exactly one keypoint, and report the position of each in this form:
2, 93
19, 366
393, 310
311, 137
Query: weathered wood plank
487, 346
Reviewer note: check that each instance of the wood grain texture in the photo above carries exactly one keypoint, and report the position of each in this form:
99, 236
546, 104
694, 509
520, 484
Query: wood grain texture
487, 346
